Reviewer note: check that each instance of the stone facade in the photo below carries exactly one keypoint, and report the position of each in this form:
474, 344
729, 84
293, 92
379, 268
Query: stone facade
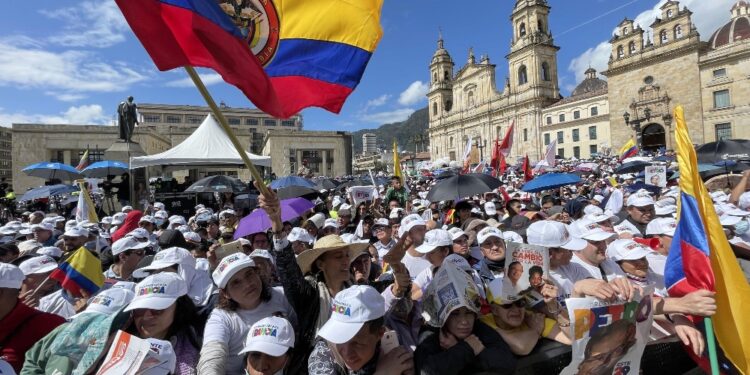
324, 153
6, 152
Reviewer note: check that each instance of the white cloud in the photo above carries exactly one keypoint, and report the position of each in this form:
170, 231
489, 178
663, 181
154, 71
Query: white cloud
388, 116
69, 72
89, 24
707, 17
415, 93
208, 79
66, 97
377, 102
82, 115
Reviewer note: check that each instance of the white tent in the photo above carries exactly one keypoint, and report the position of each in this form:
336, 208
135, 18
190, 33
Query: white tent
207, 146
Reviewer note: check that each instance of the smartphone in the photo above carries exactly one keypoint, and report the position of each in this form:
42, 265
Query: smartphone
389, 341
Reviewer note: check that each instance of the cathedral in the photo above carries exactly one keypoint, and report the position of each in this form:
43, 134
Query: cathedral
650, 72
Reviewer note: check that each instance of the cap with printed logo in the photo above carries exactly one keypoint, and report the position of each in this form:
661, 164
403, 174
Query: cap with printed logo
550, 233
434, 239
157, 292
273, 336
299, 234
192, 237
229, 266
512, 237
456, 233
163, 357
128, 243
588, 230
662, 226
381, 222
395, 212
119, 218
350, 310
128, 285
76, 232
626, 249
167, 258
488, 232
52, 251
640, 199
331, 223
411, 221
147, 219
37, 265
42, 226
110, 301
138, 233
11, 276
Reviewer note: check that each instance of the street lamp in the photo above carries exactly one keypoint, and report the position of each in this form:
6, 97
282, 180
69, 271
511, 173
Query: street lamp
635, 123
480, 145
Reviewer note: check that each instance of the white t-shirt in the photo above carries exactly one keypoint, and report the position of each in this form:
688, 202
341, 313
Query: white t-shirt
656, 263
231, 327
565, 277
55, 303
611, 269
415, 265
424, 279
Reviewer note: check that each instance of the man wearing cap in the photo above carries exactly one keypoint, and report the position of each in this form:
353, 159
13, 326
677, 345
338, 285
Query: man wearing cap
382, 231
354, 330
299, 239
20, 326
414, 228
74, 238
127, 253
345, 219
640, 211
37, 283
437, 245
43, 233
330, 226
492, 246
396, 191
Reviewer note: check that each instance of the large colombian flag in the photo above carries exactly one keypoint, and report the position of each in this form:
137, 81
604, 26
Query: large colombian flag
700, 256
284, 55
628, 149
81, 271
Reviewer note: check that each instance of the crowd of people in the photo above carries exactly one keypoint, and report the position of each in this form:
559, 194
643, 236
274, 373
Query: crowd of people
342, 289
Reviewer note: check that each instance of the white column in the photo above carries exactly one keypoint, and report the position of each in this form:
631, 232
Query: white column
324, 155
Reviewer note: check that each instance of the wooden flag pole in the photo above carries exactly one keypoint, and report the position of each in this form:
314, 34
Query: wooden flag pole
227, 129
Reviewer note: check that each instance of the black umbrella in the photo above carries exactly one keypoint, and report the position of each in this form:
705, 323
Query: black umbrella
355, 182
297, 191
632, 167
492, 182
456, 187
726, 149
325, 183
217, 184
653, 189
724, 167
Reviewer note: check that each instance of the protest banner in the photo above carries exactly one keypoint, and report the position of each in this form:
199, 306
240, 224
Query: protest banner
526, 268
656, 175
451, 288
361, 194
609, 338
125, 356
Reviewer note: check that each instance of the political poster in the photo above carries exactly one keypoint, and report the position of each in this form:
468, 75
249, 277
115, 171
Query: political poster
656, 175
361, 194
609, 338
451, 288
526, 268
125, 356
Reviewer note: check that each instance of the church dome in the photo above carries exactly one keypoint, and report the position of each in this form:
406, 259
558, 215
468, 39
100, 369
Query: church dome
738, 28
441, 54
590, 84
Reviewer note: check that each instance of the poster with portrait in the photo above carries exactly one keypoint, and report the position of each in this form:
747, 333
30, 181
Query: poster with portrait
526, 268
656, 175
451, 288
609, 338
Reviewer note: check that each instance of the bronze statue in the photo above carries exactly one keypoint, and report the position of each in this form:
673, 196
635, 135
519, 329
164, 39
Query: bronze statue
127, 119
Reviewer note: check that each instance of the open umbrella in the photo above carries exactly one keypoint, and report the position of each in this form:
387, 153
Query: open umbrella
325, 183
104, 168
632, 167
258, 220
456, 187
726, 149
288, 181
653, 189
297, 191
550, 181
47, 191
49, 171
492, 182
217, 184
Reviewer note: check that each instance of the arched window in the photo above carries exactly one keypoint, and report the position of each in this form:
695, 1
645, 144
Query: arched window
678, 32
522, 30
448, 105
625, 31
620, 52
540, 25
470, 99
663, 36
669, 13
522, 77
545, 71
434, 109
631, 47
447, 76
434, 77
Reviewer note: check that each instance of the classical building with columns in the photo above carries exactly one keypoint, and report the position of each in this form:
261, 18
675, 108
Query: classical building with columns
651, 70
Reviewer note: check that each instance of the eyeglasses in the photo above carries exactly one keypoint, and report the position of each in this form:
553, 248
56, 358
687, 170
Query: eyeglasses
521, 303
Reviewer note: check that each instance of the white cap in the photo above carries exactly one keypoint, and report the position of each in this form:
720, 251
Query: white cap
127, 285
588, 230
11, 276
719, 196
192, 237
345, 206
512, 237
272, 336
52, 251
262, 253
395, 212
119, 218
229, 266
127, 209
592, 209
350, 310
381, 222
183, 229
626, 249
127, 243
147, 219
490, 208
37, 265
550, 233
411, 221
157, 292
227, 212
663, 226
488, 232
598, 218
159, 205
161, 215
199, 207
42, 226
665, 207
456, 233
166, 258
76, 232
728, 220
110, 301
730, 209
176, 219
138, 233
336, 201
331, 223
106, 220
744, 201
433, 239
299, 234
162, 355
640, 199
318, 220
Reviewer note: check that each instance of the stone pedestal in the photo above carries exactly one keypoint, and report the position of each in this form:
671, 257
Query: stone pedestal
123, 151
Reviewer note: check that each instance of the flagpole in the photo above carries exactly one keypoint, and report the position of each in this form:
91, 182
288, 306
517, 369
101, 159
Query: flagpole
712, 356
227, 129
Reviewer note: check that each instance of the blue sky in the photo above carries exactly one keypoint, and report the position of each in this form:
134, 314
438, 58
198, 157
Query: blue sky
73, 61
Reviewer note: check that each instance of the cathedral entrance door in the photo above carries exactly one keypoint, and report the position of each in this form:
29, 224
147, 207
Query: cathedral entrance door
653, 137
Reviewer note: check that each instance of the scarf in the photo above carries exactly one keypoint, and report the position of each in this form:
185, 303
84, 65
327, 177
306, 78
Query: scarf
324, 305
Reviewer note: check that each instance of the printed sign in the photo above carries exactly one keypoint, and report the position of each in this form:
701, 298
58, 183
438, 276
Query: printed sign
656, 175
125, 356
526, 268
361, 194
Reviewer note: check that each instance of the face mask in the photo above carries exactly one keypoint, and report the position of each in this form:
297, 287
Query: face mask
159, 222
741, 227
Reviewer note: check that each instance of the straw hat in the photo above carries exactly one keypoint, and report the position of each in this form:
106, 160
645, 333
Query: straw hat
324, 245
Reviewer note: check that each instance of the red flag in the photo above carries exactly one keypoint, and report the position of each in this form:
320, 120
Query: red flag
495, 161
527, 174
507, 143
503, 166
506, 197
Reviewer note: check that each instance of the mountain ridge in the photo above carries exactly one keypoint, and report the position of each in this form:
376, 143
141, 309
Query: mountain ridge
403, 132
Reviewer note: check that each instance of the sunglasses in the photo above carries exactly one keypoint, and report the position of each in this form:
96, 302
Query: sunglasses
521, 303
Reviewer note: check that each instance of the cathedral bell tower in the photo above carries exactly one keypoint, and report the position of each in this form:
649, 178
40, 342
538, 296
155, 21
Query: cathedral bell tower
532, 60
440, 96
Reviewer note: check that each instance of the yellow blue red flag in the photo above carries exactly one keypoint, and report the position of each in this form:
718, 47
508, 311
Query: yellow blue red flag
628, 149
700, 256
82, 271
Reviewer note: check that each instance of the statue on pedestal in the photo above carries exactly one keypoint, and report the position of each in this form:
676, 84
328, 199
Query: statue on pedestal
127, 119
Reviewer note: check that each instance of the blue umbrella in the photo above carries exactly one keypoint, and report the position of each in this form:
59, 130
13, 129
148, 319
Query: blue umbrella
47, 191
291, 181
49, 170
104, 168
550, 181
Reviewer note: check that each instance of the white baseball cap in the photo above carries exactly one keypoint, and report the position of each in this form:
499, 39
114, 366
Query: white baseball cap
157, 292
459, 261
726, 219
395, 212
106, 220
37, 265
663, 226
76, 232
331, 223
719, 196
127, 209
262, 253
128, 243
227, 212
456, 233
159, 205
381, 222
490, 209
550, 233
318, 220
592, 209
488, 232
167, 258
730, 209
229, 266
162, 355
299, 234
588, 230
640, 199
411, 221
598, 218
245, 242
138, 233
626, 249
665, 207
42, 226
11, 276
110, 301
273, 336
350, 310
176, 219
147, 219
127, 285
119, 218
52, 251
433, 239
192, 237
512, 236
161, 215
744, 201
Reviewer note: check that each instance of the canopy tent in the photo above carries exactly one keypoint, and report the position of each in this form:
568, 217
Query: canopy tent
207, 146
